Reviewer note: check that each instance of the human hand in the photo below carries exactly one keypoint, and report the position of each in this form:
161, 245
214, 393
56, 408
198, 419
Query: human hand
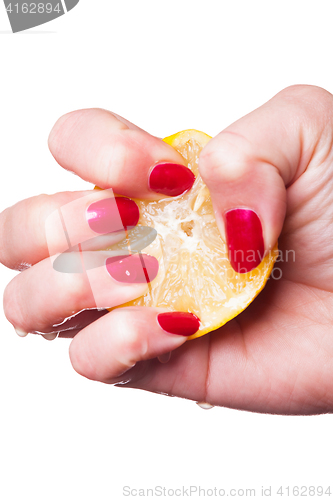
275, 356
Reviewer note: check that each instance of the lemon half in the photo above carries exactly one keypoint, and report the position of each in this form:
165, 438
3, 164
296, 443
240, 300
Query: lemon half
195, 274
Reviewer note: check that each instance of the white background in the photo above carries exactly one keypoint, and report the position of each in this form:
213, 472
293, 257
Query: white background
166, 66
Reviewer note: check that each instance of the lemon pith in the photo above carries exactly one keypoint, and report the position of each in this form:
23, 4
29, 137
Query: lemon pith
195, 274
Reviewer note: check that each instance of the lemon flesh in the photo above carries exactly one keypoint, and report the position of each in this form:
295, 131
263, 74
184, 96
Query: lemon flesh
195, 274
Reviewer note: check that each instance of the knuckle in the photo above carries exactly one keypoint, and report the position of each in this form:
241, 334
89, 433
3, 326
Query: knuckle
3, 237
133, 345
224, 160
316, 102
302, 91
11, 308
38, 209
78, 292
81, 362
62, 129
210, 162
112, 159
29, 213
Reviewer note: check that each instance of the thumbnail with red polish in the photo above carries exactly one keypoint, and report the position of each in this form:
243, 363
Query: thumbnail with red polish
136, 268
103, 215
179, 323
171, 179
244, 239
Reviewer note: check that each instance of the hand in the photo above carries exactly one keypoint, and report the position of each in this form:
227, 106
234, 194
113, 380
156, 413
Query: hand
277, 356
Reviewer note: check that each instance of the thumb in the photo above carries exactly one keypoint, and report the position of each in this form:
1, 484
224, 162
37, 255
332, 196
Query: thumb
249, 164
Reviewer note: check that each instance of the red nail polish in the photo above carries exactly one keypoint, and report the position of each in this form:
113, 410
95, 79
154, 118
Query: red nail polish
171, 179
179, 323
244, 239
112, 214
136, 268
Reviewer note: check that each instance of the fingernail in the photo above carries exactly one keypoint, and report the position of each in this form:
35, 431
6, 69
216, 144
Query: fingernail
103, 215
179, 323
21, 333
244, 239
137, 268
171, 179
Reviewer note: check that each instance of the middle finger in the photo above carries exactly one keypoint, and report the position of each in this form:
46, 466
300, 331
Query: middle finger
40, 298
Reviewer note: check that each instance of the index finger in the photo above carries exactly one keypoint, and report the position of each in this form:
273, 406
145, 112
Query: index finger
109, 151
